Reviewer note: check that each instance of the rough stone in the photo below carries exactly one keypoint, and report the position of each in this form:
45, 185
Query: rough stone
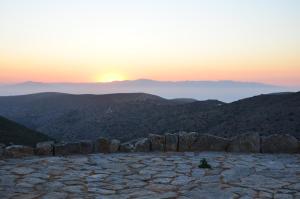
186, 140
206, 142
142, 145
279, 144
127, 147
102, 145
114, 145
157, 142
44, 148
2, 148
86, 147
152, 175
16, 151
245, 143
171, 142
67, 148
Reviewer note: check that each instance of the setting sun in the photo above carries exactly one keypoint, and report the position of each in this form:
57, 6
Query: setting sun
111, 77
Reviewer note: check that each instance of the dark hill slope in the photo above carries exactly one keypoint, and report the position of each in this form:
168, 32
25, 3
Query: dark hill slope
11, 132
128, 116
269, 114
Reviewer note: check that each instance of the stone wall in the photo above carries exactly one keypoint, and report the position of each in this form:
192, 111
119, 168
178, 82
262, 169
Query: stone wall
244, 143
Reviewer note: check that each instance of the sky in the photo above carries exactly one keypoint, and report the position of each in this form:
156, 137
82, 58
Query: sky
100, 41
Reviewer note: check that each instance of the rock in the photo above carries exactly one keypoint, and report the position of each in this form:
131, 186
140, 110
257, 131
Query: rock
86, 147
16, 151
171, 142
127, 147
157, 142
142, 145
44, 148
2, 147
279, 144
67, 148
206, 142
114, 146
102, 145
186, 140
245, 143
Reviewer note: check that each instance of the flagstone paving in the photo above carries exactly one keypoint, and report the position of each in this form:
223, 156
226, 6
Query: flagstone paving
152, 175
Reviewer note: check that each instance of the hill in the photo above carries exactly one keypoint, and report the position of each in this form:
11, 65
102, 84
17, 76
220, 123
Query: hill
11, 132
132, 115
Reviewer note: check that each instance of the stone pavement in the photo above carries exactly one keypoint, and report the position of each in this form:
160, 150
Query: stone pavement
152, 175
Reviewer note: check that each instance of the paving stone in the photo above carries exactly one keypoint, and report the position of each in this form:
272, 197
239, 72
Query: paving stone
152, 175
55, 195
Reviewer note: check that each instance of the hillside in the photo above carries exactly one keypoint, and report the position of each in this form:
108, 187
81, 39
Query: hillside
132, 115
11, 132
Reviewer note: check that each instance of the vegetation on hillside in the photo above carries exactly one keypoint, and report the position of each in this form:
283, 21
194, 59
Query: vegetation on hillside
11, 132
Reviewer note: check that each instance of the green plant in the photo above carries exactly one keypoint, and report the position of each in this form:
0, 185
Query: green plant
204, 164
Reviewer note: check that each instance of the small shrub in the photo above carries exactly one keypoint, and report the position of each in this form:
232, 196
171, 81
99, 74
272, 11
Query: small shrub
204, 164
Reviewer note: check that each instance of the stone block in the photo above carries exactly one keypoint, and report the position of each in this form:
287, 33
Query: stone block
279, 144
245, 143
17, 151
206, 142
67, 148
171, 142
114, 146
186, 140
44, 148
102, 145
86, 147
142, 145
127, 147
157, 142
2, 149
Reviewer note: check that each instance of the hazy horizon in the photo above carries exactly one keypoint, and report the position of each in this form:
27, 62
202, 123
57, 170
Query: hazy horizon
226, 91
103, 41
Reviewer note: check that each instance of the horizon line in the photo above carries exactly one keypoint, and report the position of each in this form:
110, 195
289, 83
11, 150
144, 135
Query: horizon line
145, 79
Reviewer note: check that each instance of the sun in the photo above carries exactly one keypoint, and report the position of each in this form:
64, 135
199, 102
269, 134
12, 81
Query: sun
111, 77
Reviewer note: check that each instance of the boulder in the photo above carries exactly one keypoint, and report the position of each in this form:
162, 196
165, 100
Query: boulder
44, 148
245, 143
171, 142
142, 145
279, 144
67, 148
127, 147
17, 151
206, 142
102, 145
185, 141
2, 148
114, 146
157, 142
86, 147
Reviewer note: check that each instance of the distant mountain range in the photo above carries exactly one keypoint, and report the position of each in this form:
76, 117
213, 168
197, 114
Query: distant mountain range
11, 132
132, 115
226, 91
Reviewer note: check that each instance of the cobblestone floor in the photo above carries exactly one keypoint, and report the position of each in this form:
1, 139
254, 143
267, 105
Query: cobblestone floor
152, 175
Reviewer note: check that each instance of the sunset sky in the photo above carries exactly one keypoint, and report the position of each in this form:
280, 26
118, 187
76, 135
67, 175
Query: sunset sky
97, 40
